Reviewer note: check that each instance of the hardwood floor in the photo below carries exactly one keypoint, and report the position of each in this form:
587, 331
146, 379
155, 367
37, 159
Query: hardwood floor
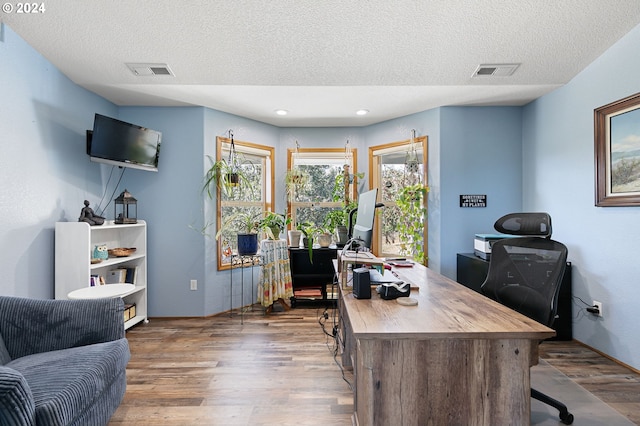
611, 382
279, 369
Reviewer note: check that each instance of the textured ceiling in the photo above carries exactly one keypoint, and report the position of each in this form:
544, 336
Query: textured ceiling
323, 59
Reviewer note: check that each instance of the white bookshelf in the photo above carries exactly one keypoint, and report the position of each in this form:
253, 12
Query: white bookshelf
74, 244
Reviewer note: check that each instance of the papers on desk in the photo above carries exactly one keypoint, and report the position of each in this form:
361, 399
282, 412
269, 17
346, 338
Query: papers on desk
359, 255
376, 277
401, 263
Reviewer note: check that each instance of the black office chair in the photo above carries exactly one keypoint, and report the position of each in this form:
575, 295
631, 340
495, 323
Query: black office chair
525, 274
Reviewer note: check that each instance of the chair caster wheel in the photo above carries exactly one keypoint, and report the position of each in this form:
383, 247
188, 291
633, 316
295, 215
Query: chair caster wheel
567, 419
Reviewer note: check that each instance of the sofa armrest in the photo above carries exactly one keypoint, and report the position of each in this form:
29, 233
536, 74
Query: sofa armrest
31, 326
16, 401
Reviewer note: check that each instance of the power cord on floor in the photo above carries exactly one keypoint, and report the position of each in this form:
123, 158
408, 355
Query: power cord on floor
334, 335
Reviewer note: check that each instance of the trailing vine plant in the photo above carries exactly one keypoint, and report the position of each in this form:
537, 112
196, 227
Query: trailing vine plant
413, 214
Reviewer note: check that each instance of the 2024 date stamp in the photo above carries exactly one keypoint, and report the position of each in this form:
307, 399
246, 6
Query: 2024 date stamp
24, 8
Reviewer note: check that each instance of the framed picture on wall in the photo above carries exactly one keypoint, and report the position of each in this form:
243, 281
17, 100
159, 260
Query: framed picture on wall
617, 153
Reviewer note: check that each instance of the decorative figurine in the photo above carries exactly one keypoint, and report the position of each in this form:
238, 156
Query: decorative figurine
100, 252
87, 215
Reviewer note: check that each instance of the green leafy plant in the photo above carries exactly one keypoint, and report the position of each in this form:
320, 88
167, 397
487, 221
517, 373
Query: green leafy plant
335, 218
245, 222
338, 191
308, 229
413, 213
274, 223
226, 177
294, 180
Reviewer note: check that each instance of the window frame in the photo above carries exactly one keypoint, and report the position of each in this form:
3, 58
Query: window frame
374, 179
334, 152
268, 183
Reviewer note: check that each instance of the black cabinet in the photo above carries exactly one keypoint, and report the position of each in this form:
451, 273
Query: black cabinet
313, 281
472, 271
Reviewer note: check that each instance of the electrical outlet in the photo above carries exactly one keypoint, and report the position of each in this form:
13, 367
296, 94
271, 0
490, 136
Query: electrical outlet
194, 284
599, 306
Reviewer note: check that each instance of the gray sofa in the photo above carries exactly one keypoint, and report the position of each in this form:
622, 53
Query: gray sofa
62, 362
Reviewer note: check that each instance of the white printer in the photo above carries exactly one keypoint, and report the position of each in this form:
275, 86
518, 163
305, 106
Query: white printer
482, 244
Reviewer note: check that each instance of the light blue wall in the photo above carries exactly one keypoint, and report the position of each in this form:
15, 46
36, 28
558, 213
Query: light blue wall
558, 173
220, 295
480, 153
171, 202
44, 170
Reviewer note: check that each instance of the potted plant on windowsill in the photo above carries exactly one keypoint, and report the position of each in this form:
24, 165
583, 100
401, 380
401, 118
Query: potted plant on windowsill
307, 228
324, 236
336, 221
247, 224
274, 223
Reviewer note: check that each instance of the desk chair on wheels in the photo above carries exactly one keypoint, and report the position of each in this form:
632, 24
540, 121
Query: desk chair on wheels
525, 274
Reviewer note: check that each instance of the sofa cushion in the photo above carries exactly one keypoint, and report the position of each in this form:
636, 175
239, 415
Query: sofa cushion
65, 383
16, 400
4, 353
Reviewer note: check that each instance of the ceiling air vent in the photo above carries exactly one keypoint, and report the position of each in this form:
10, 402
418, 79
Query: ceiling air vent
495, 70
149, 70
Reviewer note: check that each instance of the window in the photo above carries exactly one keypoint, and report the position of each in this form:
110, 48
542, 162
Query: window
320, 191
251, 197
394, 167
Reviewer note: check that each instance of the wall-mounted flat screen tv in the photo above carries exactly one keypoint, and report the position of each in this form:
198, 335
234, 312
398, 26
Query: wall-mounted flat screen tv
123, 144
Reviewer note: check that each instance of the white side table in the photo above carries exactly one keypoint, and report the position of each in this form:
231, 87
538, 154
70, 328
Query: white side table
100, 291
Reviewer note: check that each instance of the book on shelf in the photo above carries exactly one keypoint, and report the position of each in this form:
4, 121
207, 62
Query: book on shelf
96, 280
122, 275
131, 275
116, 276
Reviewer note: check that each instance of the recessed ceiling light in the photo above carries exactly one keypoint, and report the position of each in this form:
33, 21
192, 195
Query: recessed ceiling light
282, 112
362, 112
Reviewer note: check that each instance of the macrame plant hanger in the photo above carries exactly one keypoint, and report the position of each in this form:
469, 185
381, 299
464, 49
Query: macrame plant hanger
412, 163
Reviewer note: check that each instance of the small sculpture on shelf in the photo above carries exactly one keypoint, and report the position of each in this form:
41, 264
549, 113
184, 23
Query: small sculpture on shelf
87, 215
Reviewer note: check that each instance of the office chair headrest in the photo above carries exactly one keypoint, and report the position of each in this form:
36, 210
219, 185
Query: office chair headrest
531, 224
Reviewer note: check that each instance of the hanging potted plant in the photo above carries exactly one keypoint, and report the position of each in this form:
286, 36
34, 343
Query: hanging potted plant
294, 180
227, 174
413, 213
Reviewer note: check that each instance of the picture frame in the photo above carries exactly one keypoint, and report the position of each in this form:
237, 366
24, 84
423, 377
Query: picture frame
617, 153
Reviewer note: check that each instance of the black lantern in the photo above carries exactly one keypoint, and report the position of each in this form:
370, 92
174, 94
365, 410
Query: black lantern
126, 208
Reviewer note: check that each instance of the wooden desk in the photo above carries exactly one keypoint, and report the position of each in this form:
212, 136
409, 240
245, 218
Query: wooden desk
457, 358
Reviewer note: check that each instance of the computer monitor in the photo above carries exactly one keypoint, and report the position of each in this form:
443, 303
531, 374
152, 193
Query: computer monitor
363, 229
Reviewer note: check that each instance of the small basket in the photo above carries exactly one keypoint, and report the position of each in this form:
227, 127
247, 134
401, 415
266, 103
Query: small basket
121, 252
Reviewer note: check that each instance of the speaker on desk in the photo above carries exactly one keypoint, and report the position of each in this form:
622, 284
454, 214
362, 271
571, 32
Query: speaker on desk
361, 283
